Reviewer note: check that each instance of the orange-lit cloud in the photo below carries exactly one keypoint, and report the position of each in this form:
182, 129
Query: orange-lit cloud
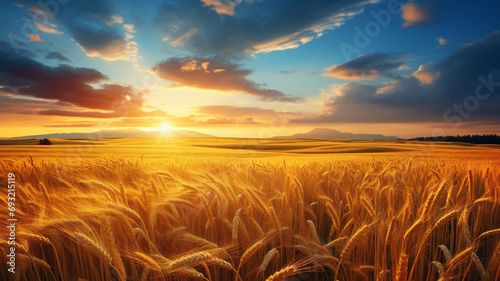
425, 75
225, 7
442, 41
35, 38
70, 125
48, 28
415, 14
437, 92
238, 111
80, 92
215, 75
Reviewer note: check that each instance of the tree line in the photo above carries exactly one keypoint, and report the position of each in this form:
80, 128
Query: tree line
476, 139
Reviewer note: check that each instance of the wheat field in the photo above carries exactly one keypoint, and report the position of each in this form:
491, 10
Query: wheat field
279, 210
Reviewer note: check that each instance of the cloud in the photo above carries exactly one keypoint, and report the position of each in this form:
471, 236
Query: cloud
57, 56
76, 89
120, 111
47, 29
10, 104
93, 26
442, 41
425, 74
368, 67
70, 126
260, 27
434, 89
238, 111
195, 121
224, 7
35, 38
215, 75
415, 14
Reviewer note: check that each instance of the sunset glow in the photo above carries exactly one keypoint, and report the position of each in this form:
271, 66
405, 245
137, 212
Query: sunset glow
232, 68
165, 127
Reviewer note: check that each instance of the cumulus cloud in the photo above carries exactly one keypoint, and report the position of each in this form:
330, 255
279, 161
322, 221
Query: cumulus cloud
425, 74
368, 67
215, 75
426, 95
261, 26
74, 88
414, 13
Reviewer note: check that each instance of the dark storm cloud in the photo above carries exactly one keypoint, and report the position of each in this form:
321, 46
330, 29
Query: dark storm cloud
368, 67
71, 86
464, 86
256, 26
215, 75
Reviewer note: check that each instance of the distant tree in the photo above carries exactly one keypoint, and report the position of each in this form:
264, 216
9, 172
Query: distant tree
44, 142
477, 139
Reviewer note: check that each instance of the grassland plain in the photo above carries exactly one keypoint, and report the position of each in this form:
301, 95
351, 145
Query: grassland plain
233, 209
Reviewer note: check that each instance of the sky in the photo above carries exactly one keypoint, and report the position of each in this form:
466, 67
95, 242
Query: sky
250, 68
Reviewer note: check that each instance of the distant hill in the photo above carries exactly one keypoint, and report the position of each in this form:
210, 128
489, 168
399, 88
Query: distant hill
128, 133
323, 133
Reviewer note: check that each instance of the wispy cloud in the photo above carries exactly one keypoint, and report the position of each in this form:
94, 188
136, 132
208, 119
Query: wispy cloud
57, 56
368, 67
260, 28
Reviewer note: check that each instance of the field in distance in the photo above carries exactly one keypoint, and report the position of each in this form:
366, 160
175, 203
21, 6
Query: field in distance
239, 209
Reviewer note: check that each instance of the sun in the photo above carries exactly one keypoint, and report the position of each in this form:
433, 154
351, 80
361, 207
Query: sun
165, 127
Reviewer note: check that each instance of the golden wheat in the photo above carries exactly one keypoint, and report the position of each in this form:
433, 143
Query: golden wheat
220, 217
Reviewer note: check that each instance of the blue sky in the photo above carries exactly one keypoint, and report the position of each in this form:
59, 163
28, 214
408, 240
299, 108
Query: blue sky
234, 67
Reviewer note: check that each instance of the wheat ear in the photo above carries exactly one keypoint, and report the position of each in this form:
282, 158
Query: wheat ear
267, 259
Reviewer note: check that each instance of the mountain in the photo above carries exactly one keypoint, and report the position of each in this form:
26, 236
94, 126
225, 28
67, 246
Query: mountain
323, 133
127, 133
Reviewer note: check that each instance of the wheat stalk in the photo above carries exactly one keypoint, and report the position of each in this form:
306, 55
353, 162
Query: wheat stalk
446, 252
402, 268
236, 223
190, 260
314, 233
479, 264
440, 269
359, 235
95, 247
267, 259
282, 274
147, 261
